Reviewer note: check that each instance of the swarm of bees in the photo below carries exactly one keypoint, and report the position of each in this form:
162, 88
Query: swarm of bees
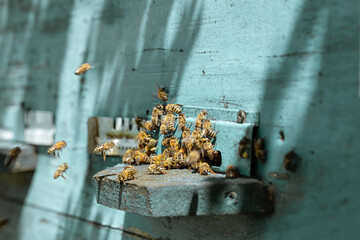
193, 150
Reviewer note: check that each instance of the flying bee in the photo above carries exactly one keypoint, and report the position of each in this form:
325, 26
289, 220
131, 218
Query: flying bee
128, 156
161, 93
139, 121
156, 169
259, 149
157, 111
56, 147
243, 145
12, 156
128, 173
104, 148
61, 170
83, 68
174, 108
204, 168
193, 158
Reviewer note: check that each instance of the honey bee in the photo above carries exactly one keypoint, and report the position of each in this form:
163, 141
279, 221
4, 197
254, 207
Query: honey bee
142, 138
174, 108
186, 133
192, 159
171, 163
231, 172
209, 149
202, 115
170, 121
148, 126
156, 169
174, 143
182, 121
140, 157
167, 153
198, 123
83, 68
104, 148
166, 142
156, 114
163, 128
139, 121
151, 146
12, 156
128, 173
61, 170
161, 93
56, 147
180, 157
204, 168
207, 129
157, 159
259, 149
243, 145
128, 156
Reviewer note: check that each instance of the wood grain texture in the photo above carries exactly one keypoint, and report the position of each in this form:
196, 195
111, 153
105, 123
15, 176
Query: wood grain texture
295, 62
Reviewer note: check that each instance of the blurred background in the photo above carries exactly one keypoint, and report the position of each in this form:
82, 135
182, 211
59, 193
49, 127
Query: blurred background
294, 61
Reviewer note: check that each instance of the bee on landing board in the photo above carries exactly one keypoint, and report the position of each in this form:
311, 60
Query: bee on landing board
128, 173
83, 68
56, 147
61, 170
104, 148
204, 169
12, 156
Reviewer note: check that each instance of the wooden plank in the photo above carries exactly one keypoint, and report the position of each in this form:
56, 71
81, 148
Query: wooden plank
181, 193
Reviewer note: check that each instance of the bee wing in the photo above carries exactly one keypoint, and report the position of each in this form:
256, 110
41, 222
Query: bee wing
99, 140
95, 65
9, 160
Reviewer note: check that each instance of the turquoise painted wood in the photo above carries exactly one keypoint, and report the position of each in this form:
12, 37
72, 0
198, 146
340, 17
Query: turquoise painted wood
295, 62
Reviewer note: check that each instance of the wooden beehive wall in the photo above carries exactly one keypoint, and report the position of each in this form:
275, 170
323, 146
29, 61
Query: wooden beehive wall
295, 62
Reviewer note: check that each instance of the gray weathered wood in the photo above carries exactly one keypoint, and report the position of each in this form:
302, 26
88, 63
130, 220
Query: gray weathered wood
181, 193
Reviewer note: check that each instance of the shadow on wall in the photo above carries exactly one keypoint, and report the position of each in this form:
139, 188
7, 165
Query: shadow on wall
306, 89
302, 97
137, 44
32, 43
